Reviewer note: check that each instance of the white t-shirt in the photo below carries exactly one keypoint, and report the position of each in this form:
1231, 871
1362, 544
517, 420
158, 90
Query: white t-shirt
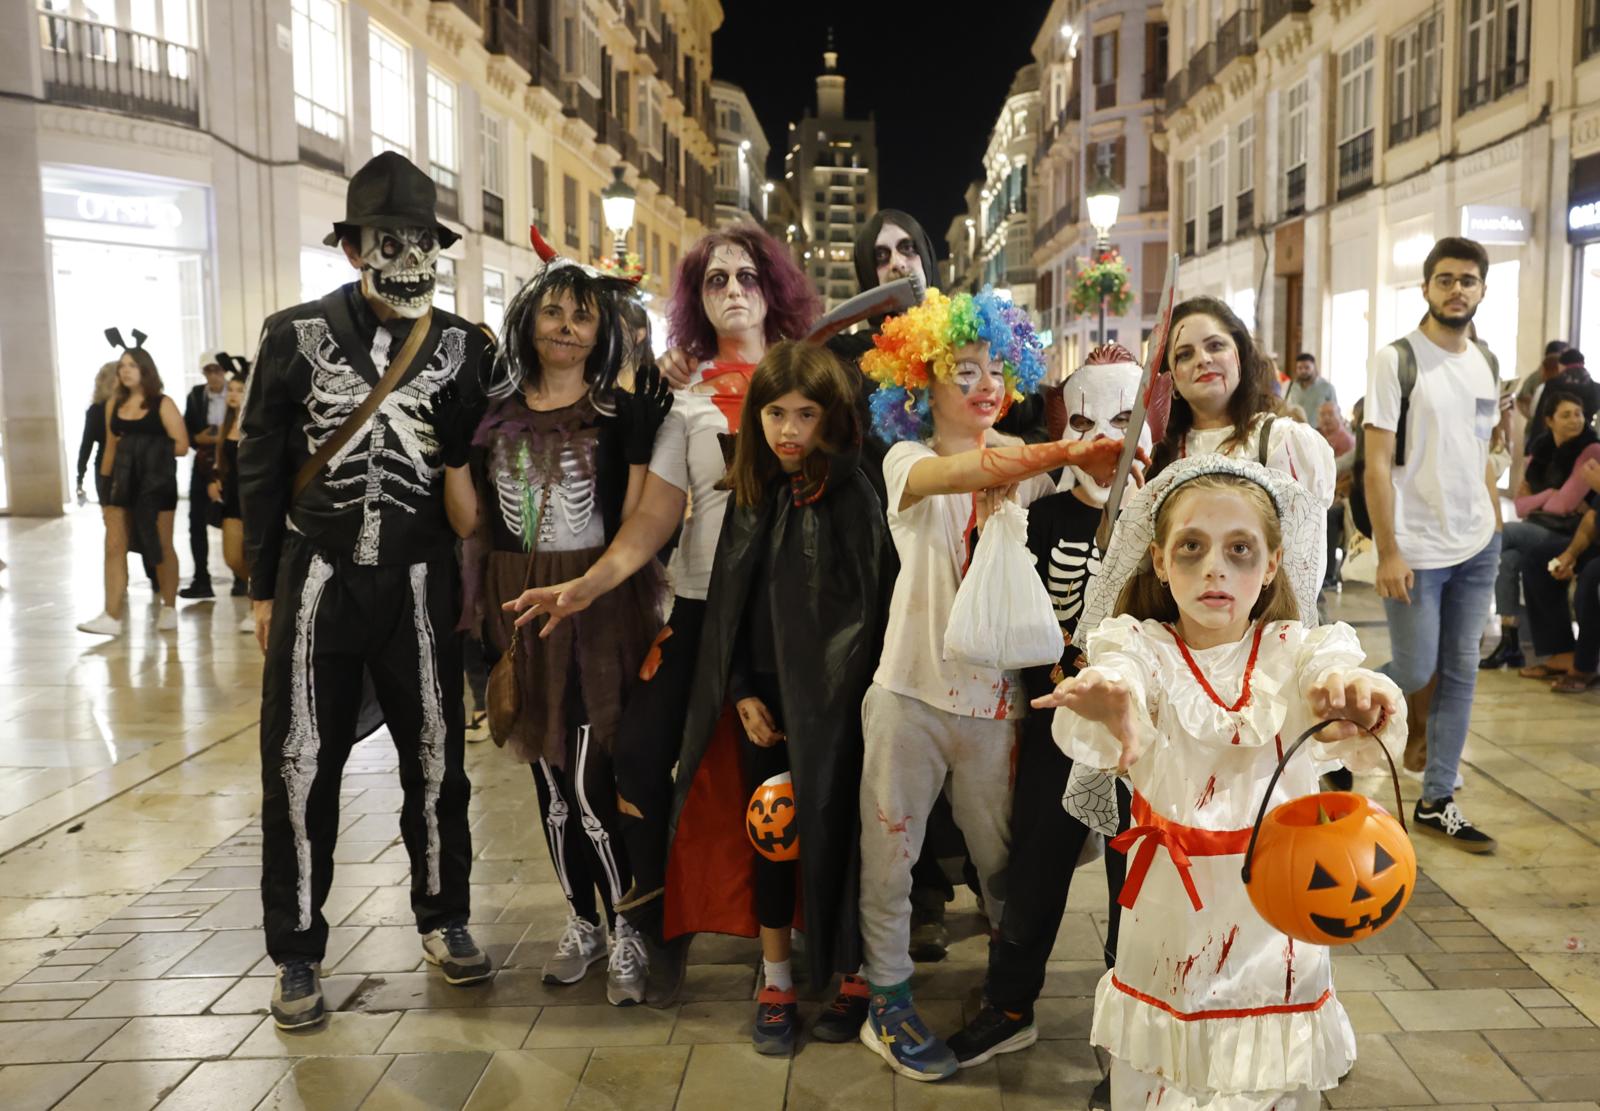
931, 541
688, 454
1442, 511
1296, 449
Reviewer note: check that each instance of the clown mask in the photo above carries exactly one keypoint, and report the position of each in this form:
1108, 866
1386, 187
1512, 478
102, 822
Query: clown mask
397, 268
1099, 400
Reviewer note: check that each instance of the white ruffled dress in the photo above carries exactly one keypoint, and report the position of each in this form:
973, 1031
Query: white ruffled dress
1213, 1008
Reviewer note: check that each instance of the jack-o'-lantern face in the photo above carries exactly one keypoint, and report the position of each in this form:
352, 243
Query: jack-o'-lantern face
770, 820
1331, 869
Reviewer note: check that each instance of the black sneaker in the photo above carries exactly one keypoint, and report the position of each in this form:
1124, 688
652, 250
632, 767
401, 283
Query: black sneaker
840, 1021
241, 588
929, 937
297, 995
990, 1033
457, 955
1339, 779
1443, 819
200, 588
1100, 1098
777, 1016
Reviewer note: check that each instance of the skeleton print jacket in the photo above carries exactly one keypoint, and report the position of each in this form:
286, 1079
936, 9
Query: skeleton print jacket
380, 499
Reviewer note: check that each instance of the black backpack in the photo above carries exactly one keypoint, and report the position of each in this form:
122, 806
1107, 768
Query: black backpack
1407, 360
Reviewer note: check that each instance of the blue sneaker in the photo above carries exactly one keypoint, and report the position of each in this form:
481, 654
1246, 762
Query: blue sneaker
897, 1033
776, 1019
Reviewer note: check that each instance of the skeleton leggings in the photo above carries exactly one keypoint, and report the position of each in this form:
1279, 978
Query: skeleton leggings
332, 622
578, 806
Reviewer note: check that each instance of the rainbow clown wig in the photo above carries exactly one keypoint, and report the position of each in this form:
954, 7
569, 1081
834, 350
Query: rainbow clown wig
918, 347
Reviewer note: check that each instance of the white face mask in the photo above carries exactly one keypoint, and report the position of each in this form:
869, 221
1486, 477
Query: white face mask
1098, 399
397, 267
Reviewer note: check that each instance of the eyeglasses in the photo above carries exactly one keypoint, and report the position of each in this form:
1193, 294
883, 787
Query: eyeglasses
1465, 282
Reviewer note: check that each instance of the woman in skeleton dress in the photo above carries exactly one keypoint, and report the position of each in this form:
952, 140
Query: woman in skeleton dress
736, 293
557, 463
1195, 689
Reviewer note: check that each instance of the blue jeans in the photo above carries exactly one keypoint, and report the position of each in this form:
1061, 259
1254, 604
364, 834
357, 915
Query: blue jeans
1438, 632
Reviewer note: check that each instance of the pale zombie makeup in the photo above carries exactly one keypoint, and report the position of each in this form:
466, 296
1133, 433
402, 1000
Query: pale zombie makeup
564, 331
895, 256
790, 424
1099, 399
1205, 363
1216, 563
397, 267
731, 291
970, 400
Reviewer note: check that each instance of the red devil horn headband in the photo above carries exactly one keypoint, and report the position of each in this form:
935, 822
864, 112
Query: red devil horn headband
540, 247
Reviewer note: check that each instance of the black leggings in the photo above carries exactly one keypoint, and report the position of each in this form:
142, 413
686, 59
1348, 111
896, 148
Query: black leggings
579, 806
774, 880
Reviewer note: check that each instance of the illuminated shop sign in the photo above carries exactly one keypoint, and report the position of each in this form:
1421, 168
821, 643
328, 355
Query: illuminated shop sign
1494, 223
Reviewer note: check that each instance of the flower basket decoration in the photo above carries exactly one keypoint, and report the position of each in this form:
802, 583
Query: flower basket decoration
1104, 276
631, 266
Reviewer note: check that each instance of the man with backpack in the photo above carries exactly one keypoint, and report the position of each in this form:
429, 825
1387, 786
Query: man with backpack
1431, 406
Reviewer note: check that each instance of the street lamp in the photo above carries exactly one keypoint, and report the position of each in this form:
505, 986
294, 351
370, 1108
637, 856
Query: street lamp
1103, 200
617, 200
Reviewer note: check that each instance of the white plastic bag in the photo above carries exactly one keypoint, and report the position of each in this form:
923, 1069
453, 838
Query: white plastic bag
1002, 617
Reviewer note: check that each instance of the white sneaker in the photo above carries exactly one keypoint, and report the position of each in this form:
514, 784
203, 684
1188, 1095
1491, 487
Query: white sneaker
580, 946
247, 625
105, 625
167, 620
625, 974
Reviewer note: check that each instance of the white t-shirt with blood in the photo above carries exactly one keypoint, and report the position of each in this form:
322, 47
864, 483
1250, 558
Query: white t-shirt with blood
931, 540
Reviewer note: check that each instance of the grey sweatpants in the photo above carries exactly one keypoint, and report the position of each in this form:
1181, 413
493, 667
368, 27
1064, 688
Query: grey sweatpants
911, 750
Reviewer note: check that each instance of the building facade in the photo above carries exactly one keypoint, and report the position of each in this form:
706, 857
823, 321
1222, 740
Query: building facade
831, 169
743, 192
1321, 148
186, 191
1003, 223
1102, 68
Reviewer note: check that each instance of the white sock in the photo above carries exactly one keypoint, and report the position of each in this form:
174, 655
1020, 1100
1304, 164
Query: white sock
777, 974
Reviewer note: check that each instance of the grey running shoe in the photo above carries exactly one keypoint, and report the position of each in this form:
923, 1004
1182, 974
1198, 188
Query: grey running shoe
625, 974
457, 955
580, 946
297, 995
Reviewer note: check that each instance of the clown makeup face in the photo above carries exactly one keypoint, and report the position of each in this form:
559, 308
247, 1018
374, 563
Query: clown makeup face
564, 332
1216, 563
397, 268
967, 406
1205, 368
731, 292
895, 256
1099, 399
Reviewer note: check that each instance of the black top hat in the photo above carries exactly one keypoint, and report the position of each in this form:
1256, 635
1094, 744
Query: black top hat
390, 192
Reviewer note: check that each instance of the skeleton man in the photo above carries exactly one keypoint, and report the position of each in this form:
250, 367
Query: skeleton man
353, 575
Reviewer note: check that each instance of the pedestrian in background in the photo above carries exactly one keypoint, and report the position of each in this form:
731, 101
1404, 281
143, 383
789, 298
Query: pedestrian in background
203, 413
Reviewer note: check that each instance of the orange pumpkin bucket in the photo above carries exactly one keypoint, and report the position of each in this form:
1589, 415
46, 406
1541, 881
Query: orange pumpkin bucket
771, 822
1332, 868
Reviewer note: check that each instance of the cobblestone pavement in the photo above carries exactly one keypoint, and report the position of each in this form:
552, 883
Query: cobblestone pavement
132, 972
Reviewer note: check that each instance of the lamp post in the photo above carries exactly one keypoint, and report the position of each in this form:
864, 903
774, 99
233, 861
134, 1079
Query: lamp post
617, 201
1104, 198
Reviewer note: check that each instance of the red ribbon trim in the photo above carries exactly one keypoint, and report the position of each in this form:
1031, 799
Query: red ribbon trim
1151, 831
1231, 1012
1249, 669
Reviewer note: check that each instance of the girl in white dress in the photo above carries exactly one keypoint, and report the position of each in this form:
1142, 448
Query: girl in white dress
1194, 690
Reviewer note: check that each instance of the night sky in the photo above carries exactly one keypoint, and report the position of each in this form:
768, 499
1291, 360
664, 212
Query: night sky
935, 82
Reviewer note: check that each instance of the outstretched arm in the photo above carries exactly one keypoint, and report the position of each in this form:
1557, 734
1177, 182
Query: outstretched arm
985, 467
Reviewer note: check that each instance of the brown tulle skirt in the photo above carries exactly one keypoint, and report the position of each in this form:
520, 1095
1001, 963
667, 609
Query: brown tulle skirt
606, 643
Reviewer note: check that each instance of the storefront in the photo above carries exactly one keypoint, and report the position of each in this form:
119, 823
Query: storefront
125, 252
1583, 233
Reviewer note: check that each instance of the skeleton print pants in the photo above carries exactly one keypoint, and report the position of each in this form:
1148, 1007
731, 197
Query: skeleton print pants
331, 621
578, 805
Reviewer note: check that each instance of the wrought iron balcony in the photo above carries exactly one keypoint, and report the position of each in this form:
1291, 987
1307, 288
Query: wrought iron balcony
1589, 36
1294, 192
1355, 164
1214, 226
1201, 68
506, 34
1154, 197
494, 216
473, 8
1188, 237
1274, 12
1244, 211
1177, 91
97, 65
1237, 37
1153, 86
1105, 95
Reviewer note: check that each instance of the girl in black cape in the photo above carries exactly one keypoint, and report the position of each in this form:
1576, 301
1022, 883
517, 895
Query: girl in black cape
793, 629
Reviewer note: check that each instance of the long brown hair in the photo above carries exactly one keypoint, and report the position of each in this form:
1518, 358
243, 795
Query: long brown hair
1149, 599
149, 379
1250, 397
814, 373
229, 419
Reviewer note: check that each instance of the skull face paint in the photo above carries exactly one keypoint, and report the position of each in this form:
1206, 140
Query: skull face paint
397, 267
1099, 400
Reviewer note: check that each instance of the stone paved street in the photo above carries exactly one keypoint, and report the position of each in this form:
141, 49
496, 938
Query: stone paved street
132, 972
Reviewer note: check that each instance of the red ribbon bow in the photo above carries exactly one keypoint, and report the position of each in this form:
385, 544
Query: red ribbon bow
1148, 838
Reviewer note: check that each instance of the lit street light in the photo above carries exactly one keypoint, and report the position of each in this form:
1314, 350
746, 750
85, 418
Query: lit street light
617, 201
1104, 198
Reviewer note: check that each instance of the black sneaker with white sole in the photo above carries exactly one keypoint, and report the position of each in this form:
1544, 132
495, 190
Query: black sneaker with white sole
297, 995
457, 955
1443, 819
991, 1033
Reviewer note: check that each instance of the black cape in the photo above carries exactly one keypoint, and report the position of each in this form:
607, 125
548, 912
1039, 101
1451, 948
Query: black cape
832, 570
